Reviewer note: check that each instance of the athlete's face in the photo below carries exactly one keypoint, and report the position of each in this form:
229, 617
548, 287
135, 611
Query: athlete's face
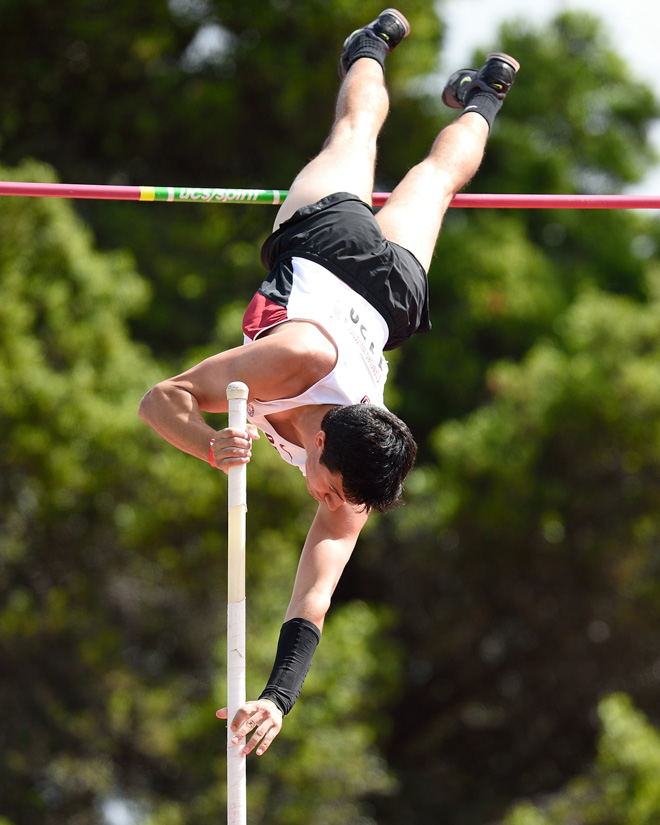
324, 486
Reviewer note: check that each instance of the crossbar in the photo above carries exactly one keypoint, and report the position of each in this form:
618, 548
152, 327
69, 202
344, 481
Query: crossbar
201, 194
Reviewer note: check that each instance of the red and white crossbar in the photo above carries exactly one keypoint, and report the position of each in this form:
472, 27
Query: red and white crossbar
206, 194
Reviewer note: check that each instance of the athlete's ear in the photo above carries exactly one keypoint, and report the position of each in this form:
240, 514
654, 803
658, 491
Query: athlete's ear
319, 440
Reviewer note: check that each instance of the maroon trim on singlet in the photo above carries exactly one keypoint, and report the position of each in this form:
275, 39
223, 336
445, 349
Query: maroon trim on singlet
260, 314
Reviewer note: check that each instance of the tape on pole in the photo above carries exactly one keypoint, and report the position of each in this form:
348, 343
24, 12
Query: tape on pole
236, 760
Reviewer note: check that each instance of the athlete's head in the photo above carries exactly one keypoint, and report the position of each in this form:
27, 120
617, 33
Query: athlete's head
372, 450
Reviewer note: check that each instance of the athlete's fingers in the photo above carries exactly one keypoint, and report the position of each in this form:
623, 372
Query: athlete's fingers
246, 727
261, 721
262, 713
263, 736
242, 723
247, 718
230, 447
267, 740
233, 436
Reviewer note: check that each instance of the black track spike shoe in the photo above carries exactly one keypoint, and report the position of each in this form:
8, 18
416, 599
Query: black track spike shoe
390, 26
495, 76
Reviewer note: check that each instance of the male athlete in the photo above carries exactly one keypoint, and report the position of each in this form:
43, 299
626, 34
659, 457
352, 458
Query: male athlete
343, 286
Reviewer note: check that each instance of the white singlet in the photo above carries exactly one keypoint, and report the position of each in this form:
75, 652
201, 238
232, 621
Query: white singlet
359, 333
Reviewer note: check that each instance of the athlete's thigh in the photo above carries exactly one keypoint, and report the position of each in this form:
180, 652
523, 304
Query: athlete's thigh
337, 169
413, 214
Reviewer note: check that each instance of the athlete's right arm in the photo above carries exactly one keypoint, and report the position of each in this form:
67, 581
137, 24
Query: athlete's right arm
277, 366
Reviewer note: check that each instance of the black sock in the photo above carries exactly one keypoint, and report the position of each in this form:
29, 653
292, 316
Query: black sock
485, 104
367, 44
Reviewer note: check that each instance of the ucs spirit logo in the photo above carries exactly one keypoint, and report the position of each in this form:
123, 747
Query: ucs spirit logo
219, 195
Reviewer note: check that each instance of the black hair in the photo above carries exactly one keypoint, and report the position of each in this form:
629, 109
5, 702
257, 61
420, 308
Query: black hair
372, 450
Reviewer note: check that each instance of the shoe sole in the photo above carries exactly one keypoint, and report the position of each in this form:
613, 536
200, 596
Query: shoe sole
505, 58
448, 96
396, 13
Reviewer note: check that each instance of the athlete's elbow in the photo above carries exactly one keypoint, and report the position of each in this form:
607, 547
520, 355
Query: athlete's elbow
318, 613
313, 606
152, 401
143, 409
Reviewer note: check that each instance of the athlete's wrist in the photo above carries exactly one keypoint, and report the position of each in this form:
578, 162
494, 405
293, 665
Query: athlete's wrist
298, 641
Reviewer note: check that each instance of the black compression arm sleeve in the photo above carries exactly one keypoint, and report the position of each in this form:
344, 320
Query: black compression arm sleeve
298, 641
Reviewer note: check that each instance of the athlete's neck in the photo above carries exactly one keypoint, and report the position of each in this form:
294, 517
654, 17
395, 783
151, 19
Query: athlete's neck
300, 425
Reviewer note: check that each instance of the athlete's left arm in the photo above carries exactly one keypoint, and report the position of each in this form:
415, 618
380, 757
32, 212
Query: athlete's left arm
329, 545
326, 552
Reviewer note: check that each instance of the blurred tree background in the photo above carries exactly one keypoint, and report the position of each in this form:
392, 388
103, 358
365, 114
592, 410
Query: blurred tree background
492, 654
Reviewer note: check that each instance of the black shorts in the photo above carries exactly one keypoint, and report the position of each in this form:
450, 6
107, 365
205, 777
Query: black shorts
340, 233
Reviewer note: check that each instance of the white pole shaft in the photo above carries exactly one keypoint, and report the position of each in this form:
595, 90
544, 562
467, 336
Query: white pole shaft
237, 394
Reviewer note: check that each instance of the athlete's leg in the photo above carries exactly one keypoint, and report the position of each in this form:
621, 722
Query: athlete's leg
346, 163
412, 216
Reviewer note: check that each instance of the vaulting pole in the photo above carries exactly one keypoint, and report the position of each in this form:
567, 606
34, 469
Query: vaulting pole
208, 194
237, 394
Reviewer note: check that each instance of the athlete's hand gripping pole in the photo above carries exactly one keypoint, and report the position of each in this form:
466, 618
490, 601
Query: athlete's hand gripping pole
237, 394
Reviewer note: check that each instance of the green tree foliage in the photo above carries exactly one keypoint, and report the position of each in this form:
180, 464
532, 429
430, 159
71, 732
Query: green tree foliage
476, 628
125, 93
190, 92
624, 786
529, 580
112, 571
576, 121
541, 567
